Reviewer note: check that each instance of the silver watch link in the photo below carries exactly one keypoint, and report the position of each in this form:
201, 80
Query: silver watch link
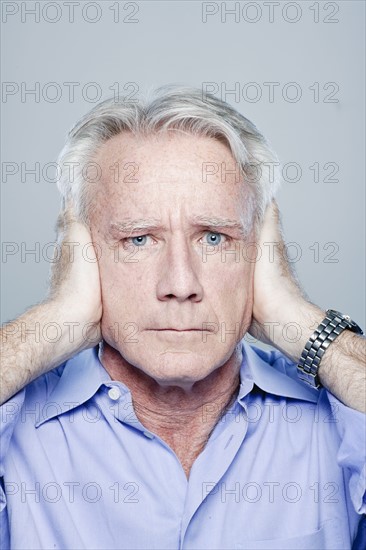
332, 326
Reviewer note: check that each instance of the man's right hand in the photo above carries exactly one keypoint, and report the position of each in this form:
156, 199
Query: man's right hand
66, 322
74, 281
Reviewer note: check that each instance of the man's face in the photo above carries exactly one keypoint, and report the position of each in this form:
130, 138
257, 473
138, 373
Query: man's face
177, 286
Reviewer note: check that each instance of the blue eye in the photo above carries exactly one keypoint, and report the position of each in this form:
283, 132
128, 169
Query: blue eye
213, 238
139, 241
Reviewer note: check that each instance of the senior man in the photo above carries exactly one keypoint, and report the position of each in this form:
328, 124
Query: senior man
146, 421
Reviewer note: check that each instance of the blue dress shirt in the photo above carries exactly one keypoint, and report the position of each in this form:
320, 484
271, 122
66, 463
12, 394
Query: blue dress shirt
283, 468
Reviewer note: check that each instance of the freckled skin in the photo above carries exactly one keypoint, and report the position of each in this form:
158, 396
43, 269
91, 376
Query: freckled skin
170, 282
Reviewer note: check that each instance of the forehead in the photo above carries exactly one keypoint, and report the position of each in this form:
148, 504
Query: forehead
168, 170
175, 146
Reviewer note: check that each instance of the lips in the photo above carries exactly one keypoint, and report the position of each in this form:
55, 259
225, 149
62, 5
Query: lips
205, 326
176, 329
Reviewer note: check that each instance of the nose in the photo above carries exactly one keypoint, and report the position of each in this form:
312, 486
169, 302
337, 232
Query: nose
179, 272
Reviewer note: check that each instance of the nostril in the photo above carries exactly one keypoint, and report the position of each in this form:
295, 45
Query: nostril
190, 297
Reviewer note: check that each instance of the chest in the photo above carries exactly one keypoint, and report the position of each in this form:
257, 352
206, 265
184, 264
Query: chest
103, 483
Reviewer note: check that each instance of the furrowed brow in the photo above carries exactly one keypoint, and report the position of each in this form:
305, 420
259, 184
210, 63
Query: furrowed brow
220, 223
148, 225
129, 226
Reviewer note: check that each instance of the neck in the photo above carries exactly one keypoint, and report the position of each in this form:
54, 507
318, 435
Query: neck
183, 418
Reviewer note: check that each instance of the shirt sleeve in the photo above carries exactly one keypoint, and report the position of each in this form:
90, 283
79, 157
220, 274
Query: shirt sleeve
10, 413
351, 427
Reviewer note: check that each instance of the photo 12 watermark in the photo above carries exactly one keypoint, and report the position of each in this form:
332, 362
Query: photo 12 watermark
91, 13
51, 92
270, 12
273, 91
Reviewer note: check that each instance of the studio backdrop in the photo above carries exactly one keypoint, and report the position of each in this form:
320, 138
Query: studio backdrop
296, 69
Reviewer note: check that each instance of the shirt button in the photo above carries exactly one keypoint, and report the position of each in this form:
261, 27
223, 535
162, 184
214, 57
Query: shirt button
114, 394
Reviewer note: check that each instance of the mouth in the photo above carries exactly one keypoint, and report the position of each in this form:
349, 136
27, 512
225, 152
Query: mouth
169, 329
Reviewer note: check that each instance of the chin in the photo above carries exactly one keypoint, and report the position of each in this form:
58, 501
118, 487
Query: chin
175, 363
177, 368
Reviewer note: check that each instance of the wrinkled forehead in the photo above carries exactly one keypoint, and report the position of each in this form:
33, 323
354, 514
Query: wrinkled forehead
166, 152
168, 171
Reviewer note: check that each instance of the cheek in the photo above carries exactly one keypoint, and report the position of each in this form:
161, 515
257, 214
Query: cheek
229, 291
120, 286
125, 304
127, 287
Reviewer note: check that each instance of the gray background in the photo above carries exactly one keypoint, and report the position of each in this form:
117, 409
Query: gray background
170, 43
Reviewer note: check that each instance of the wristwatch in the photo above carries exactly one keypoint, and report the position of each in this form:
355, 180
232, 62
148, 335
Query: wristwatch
328, 330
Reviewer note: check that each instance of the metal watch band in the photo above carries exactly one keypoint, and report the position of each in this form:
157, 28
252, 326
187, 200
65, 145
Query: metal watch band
332, 326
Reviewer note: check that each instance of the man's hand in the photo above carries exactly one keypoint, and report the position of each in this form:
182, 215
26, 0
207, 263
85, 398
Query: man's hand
284, 318
278, 298
66, 322
75, 283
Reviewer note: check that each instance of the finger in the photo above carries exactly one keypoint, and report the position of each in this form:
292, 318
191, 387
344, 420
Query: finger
70, 210
272, 230
67, 214
272, 211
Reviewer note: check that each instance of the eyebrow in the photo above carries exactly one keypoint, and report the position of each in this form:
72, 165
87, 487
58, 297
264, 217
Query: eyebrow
128, 225
219, 223
154, 224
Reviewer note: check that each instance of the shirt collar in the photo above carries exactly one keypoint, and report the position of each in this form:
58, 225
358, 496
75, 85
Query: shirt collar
84, 374
273, 373
80, 378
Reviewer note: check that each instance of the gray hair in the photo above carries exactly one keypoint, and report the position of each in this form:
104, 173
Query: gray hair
171, 107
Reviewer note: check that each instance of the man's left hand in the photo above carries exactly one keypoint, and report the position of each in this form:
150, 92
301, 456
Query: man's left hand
284, 318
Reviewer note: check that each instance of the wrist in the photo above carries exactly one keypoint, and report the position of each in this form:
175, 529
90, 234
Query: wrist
328, 334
